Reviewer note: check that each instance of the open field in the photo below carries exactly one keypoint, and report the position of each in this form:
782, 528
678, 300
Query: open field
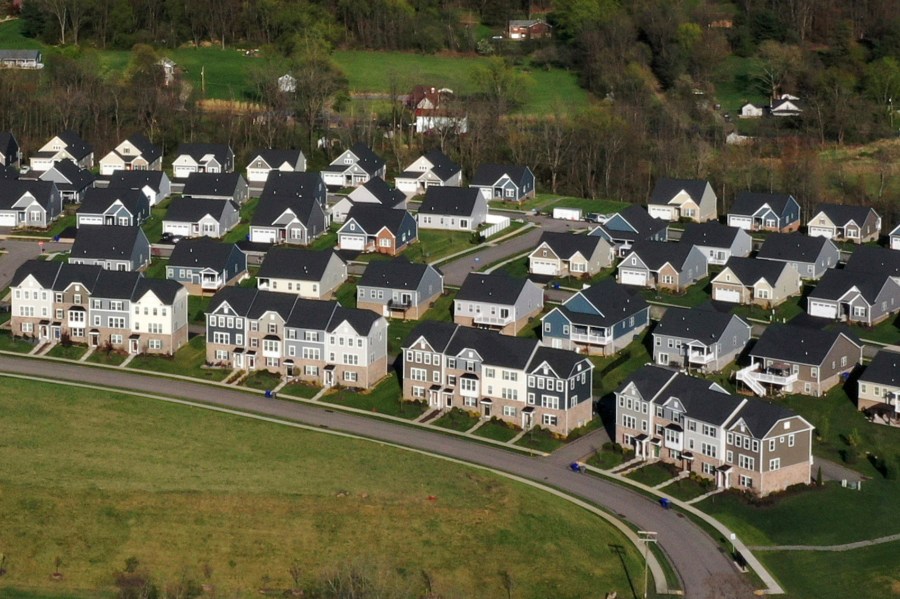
219, 500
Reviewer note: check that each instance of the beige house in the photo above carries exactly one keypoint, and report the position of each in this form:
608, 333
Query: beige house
763, 283
858, 224
689, 199
879, 388
310, 274
497, 301
567, 254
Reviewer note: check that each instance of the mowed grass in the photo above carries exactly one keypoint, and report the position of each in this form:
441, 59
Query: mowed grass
189, 360
230, 502
547, 201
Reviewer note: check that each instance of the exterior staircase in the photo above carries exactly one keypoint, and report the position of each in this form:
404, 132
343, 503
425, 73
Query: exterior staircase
745, 377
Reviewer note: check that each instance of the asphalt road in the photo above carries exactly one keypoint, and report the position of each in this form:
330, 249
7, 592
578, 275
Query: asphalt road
18, 252
706, 572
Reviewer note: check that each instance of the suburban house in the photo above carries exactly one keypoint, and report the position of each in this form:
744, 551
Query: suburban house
291, 209
111, 247
354, 167
751, 111
319, 342
202, 158
434, 108
29, 204
374, 228
399, 288
717, 241
374, 191
842, 222
676, 199
264, 162
740, 442
878, 389
630, 225
122, 311
513, 379
10, 152
600, 320
204, 265
786, 106
506, 182
699, 338
217, 186
122, 207
874, 259
309, 274
662, 265
749, 281
282, 184
894, 238
192, 217
452, 209
153, 184
21, 59
811, 256
865, 298
71, 180
567, 254
137, 153
434, 168
798, 359
497, 301
764, 212
528, 29
65, 146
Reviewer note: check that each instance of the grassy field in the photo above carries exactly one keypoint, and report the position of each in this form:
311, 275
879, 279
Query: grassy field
434, 245
547, 201
735, 85
218, 500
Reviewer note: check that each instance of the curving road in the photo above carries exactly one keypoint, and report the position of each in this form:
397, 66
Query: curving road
706, 572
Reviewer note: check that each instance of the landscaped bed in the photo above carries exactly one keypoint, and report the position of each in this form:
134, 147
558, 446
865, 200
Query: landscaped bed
15, 344
189, 361
457, 420
262, 380
540, 439
654, 474
67, 351
689, 488
497, 430
610, 456
107, 357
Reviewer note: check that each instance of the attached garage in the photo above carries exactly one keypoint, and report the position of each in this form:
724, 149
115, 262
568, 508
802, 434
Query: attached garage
7, 219
263, 235
177, 229
545, 267
822, 309
722, 294
663, 212
741, 222
353, 242
826, 232
633, 277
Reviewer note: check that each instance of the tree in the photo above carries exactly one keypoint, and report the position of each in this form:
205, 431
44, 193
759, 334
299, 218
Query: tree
775, 64
79, 11
59, 9
500, 85
882, 82
319, 84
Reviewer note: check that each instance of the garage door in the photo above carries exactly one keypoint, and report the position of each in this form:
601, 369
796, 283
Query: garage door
180, 229
353, 242
544, 267
7, 220
742, 222
822, 309
727, 295
633, 277
663, 212
262, 235
820, 232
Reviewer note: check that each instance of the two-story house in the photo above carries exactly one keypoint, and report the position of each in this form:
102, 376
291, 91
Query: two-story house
204, 265
263, 162
865, 298
843, 222
136, 153
122, 207
354, 167
374, 228
399, 288
699, 338
717, 242
662, 265
29, 204
311, 274
65, 146
513, 379
811, 256
497, 301
434, 168
202, 158
676, 199
504, 182
111, 247
765, 212
878, 388
217, 186
599, 320
570, 255
291, 209
766, 283
630, 225
452, 209
195, 217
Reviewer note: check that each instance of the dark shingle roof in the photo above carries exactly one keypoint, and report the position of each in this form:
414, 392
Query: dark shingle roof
271, 301
384, 193
883, 370
704, 325
84, 274
488, 174
566, 245
12, 190
842, 214
105, 241
711, 234
198, 150
666, 189
75, 146
561, 361
372, 217
275, 158
202, 252
645, 225
760, 416
78, 177
442, 166
311, 314
747, 202
43, 270
164, 289
296, 264
281, 185
271, 207
137, 179
239, 298
494, 288
8, 144
795, 344
452, 201
367, 160
649, 380
361, 320
792, 247
700, 400
835, 283
750, 270
96, 200
654, 254
191, 210
149, 151
398, 273
494, 348
116, 284
878, 260
436, 332
614, 301
212, 184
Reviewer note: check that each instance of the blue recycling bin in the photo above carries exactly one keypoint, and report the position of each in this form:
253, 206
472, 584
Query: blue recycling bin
575, 467
556, 285
269, 394
665, 503
56, 238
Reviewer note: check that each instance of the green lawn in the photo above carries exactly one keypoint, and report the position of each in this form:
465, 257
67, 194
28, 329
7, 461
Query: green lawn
497, 430
153, 225
887, 332
187, 361
68, 352
611, 371
327, 241
399, 330
385, 398
14, 344
231, 503
346, 293
109, 358
688, 488
791, 307
434, 245
457, 420
11, 37
545, 202
240, 232
735, 85
540, 439
197, 306
262, 380
157, 268
64, 222
300, 389
610, 456
695, 295
653, 474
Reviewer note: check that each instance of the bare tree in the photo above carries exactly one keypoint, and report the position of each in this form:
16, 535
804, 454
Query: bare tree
59, 9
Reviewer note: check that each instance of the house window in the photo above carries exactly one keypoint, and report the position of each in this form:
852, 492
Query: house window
790, 440
549, 419
509, 411
775, 464
859, 311
745, 481
351, 376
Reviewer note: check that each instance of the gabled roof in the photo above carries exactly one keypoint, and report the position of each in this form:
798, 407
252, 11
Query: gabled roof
666, 189
12, 190
495, 349
883, 370
137, 179
566, 245
8, 144
105, 242
704, 325
760, 416
450, 201
75, 146
792, 247
271, 301
238, 298
366, 159
271, 207
750, 270
202, 252
564, 363
488, 174
311, 314
44, 271
78, 178
710, 234
166, 290
275, 158
116, 284
198, 151
638, 219
842, 214
97, 201
212, 184
83, 274
614, 302
878, 260
373, 217
384, 193
803, 345
655, 254
895, 231
361, 320
149, 151
436, 332
835, 283
649, 380
441, 165
191, 210
398, 273
20, 55
297, 264
747, 202
292, 184
495, 288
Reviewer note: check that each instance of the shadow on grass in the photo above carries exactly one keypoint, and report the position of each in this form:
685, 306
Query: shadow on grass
619, 551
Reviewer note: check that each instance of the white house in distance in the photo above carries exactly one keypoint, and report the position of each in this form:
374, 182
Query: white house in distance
137, 153
354, 167
65, 146
264, 162
287, 84
751, 111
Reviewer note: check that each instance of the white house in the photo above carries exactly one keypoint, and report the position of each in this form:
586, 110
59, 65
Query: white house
137, 153
264, 162
751, 111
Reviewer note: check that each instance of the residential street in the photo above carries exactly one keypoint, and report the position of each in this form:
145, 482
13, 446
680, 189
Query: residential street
705, 570
18, 252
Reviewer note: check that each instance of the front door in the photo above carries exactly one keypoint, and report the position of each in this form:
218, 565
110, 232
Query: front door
44, 332
133, 346
95, 339
289, 370
251, 362
239, 361
329, 378
527, 420
723, 479
487, 410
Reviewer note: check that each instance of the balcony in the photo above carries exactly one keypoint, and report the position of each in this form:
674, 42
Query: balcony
494, 321
401, 305
211, 283
591, 339
773, 378
700, 357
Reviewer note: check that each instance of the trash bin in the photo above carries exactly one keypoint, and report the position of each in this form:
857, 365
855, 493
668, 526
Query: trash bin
56, 238
269, 394
575, 467
664, 502
556, 285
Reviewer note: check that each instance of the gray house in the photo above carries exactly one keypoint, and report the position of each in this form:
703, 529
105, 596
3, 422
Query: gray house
630, 225
354, 167
193, 217
34, 204
879, 388
112, 247
857, 297
841, 222
399, 288
718, 242
202, 158
71, 180
811, 256
307, 273
506, 182
123, 207
452, 209
379, 229
662, 265
765, 283
699, 338
497, 301
217, 186
287, 219
765, 212
567, 254
153, 184
204, 265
